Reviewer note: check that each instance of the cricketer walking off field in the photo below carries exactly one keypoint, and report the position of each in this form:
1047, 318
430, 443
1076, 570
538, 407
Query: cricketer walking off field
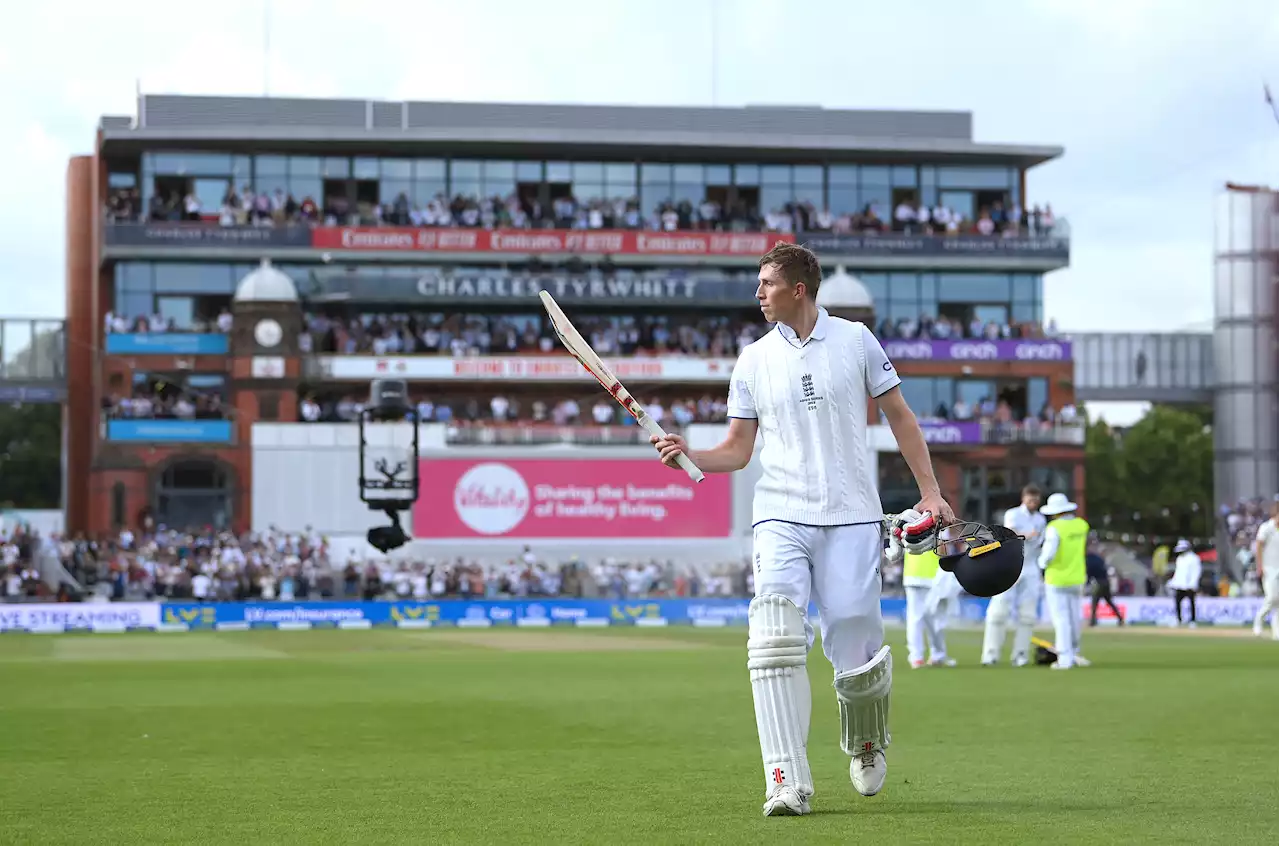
1266, 554
1021, 602
804, 388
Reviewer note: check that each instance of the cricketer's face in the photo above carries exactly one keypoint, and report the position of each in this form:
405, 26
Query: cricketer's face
1031, 501
778, 298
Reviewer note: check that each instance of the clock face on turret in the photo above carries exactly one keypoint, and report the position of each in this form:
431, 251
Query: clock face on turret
268, 333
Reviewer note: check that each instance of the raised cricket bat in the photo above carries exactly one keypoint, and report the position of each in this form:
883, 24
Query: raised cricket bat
582, 351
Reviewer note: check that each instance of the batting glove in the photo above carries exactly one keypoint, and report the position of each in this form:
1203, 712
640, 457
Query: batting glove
915, 532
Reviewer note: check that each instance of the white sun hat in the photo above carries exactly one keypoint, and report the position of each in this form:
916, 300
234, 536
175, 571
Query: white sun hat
1057, 504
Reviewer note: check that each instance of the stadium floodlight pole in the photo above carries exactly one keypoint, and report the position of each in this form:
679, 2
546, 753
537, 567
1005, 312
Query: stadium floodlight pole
394, 488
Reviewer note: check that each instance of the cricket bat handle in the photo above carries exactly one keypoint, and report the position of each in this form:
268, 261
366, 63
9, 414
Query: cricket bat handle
683, 460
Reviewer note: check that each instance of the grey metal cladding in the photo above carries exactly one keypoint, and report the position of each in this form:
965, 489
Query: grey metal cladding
387, 115
748, 121
176, 112
170, 112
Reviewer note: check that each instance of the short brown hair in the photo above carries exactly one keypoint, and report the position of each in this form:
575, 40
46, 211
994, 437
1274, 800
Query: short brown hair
1032, 490
797, 264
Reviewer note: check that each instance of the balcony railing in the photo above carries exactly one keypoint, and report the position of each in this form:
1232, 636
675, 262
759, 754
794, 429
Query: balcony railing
170, 431
972, 432
937, 433
1060, 433
535, 434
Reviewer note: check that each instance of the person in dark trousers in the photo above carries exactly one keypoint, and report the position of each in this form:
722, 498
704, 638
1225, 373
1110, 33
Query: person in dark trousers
1096, 572
1186, 578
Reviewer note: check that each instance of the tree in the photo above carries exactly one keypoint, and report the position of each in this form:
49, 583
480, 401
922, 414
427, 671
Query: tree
31, 456
1156, 478
1103, 471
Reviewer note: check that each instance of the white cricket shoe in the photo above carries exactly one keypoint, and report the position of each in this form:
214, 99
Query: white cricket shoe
1020, 661
786, 801
1058, 665
942, 662
1081, 661
867, 771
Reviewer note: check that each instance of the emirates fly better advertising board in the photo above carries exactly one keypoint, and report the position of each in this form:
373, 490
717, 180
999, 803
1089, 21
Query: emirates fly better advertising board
568, 498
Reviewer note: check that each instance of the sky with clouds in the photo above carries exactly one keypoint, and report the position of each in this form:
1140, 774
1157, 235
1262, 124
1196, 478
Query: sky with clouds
1156, 103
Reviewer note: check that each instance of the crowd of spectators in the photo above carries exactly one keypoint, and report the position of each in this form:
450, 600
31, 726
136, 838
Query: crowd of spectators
943, 328
155, 324
999, 412
1240, 522
587, 411
210, 566
478, 334
524, 210
461, 334
19, 575
161, 400
510, 409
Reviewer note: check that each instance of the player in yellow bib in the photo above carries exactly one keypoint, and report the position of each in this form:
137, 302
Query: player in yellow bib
1062, 558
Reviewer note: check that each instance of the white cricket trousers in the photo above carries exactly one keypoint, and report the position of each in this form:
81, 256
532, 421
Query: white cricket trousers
1270, 603
923, 625
1016, 605
838, 567
1064, 611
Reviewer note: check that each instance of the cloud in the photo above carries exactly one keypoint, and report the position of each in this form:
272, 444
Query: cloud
1156, 103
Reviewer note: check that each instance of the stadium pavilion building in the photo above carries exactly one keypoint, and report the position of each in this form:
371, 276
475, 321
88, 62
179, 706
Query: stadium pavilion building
240, 268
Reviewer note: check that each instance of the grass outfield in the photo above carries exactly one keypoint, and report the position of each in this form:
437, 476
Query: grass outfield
614, 736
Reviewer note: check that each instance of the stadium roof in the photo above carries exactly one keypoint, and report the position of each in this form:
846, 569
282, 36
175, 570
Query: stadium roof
778, 132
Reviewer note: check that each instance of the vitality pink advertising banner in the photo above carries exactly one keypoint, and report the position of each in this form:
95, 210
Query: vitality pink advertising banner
568, 498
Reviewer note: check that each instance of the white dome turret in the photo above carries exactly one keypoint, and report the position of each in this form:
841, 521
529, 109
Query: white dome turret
267, 285
843, 291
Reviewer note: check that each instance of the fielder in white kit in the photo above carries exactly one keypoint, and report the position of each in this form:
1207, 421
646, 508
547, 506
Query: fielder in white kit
1021, 601
805, 388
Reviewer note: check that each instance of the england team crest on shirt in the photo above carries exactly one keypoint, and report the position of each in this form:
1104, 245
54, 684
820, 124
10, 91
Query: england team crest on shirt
808, 393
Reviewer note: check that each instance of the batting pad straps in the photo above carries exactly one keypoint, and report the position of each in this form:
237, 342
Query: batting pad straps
776, 650
863, 694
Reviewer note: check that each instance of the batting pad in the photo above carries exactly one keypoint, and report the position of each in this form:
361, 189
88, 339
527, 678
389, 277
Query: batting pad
863, 694
776, 651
